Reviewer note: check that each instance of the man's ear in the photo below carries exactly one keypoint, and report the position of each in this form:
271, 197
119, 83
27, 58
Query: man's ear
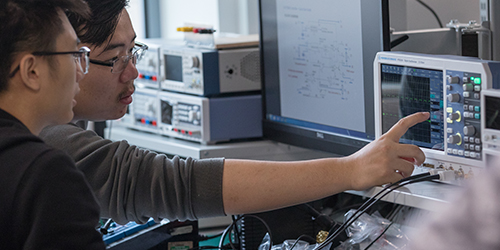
30, 71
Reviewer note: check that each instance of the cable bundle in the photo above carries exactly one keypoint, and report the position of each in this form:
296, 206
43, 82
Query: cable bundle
370, 202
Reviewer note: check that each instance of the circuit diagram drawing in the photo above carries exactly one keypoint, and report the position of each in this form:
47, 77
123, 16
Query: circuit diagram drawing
323, 59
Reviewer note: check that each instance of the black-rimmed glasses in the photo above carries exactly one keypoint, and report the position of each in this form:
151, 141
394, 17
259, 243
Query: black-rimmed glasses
119, 64
81, 57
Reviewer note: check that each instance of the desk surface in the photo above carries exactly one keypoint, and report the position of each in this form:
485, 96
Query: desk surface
426, 195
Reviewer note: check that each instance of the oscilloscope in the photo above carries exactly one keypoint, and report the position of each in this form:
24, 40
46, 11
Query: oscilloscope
450, 88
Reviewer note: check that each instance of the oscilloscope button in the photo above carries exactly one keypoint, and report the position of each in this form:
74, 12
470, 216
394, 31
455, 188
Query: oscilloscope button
466, 94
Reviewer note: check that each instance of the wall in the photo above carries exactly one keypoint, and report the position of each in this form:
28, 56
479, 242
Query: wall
174, 13
136, 12
411, 15
241, 16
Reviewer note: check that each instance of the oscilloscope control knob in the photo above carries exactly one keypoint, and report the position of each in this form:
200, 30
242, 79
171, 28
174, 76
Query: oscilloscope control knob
195, 62
454, 139
193, 115
453, 79
454, 116
468, 87
454, 97
469, 130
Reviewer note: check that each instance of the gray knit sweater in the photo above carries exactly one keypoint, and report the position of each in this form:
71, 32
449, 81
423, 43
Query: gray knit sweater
134, 184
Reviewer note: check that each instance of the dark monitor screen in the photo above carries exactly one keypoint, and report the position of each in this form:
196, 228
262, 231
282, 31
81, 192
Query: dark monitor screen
317, 64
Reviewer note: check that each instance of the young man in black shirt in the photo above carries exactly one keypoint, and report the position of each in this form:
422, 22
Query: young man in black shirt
46, 202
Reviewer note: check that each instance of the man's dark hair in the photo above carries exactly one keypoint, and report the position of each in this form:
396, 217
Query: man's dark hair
31, 25
101, 26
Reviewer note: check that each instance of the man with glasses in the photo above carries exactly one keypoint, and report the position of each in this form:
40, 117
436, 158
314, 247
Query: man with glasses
136, 184
45, 201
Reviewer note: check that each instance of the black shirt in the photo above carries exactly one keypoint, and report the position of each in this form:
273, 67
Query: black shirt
45, 202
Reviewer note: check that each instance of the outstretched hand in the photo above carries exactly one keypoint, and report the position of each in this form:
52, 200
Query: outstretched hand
385, 160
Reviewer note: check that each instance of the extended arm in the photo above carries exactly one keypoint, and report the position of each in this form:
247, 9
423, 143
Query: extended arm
250, 186
135, 184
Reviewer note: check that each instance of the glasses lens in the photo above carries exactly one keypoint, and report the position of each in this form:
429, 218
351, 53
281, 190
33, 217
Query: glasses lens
141, 50
84, 63
122, 62
84, 59
79, 63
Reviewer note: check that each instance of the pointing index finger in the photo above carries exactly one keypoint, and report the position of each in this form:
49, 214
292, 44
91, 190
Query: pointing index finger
400, 128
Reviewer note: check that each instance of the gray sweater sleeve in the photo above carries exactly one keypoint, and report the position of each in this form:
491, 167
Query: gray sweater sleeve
134, 184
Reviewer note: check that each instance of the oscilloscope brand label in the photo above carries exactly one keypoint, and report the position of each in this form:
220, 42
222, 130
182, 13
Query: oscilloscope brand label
401, 60
388, 58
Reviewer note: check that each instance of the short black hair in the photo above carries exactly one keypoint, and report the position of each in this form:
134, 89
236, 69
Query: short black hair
31, 25
101, 25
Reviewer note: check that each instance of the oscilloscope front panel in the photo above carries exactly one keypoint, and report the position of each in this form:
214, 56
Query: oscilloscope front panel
449, 87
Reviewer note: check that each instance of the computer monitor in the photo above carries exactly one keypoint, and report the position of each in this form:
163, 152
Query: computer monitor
317, 64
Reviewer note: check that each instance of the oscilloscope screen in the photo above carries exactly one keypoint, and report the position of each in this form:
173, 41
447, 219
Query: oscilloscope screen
406, 90
493, 113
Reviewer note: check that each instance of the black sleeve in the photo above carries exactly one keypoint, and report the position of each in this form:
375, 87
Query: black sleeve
57, 209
